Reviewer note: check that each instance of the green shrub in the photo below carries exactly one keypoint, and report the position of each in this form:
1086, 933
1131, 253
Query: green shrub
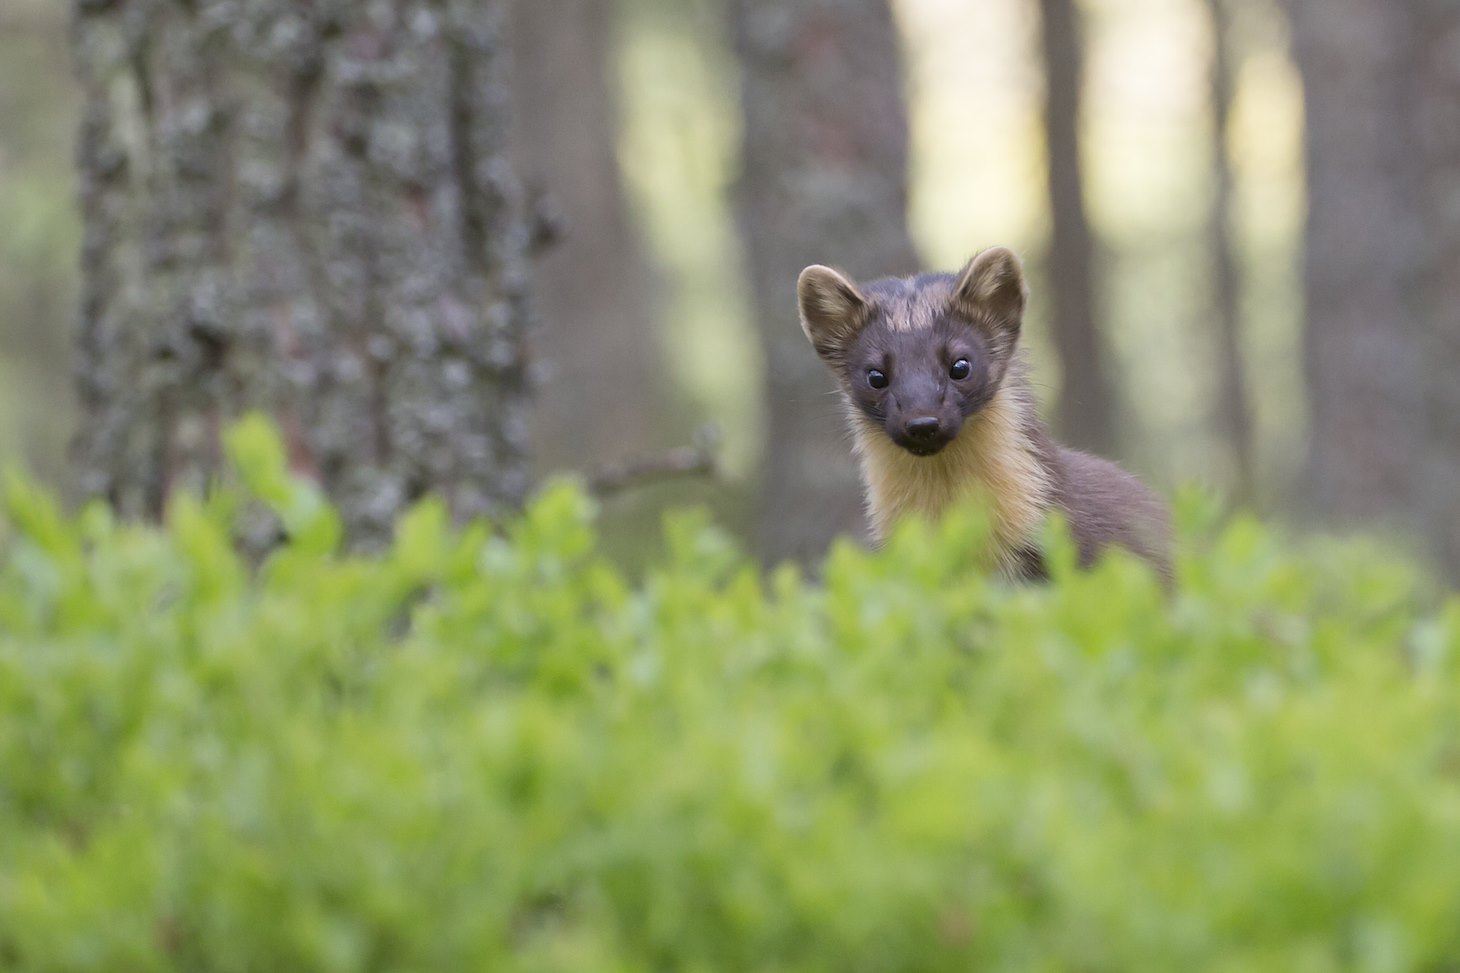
483, 751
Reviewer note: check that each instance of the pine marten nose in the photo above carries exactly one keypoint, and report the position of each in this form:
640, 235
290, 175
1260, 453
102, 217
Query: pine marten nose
924, 429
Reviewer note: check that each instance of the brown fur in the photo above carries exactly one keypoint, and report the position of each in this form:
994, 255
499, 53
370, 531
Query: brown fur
993, 444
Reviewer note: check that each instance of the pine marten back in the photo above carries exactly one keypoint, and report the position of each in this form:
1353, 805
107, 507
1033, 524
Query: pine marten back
940, 407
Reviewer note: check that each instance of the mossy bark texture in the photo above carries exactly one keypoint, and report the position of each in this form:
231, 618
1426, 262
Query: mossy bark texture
305, 208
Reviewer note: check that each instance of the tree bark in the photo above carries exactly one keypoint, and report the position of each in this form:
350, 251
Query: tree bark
306, 209
1085, 416
38, 283
593, 290
1383, 244
1436, 119
824, 180
1233, 417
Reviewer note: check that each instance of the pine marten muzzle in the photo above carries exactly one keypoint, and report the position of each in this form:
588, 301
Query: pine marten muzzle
940, 408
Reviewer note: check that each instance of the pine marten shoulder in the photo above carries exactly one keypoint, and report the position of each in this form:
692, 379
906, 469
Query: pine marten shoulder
938, 398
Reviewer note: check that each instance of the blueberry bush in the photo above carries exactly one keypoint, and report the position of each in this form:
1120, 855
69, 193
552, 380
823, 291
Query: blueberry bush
489, 749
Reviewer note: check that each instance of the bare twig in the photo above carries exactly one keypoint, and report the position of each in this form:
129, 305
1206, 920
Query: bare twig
696, 460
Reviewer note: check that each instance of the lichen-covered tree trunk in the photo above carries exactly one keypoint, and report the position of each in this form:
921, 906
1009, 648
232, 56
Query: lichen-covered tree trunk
1383, 248
1085, 415
824, 180
593, 292
304, 208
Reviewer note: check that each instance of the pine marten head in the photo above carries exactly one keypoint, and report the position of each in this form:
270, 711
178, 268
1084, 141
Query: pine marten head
918, 356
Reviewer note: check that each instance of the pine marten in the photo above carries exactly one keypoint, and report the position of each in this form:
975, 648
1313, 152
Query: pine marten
940, 407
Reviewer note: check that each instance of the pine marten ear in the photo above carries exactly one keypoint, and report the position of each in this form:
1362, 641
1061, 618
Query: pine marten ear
991, 293
833, 310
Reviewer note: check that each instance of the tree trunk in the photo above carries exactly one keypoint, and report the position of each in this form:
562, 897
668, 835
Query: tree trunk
37, 244
306, 209
824, 180
1436, 119
1383, 244
1233, 418
1086, 412
593, 290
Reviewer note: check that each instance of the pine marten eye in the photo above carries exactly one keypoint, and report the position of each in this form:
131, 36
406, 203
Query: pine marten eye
961, 369
876, 379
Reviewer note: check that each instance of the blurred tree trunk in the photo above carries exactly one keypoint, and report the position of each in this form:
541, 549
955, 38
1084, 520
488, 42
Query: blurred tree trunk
1383, 247
824, 180
305, 209
593, 290
1234, 419
1086, 411
39, 240
1436, 117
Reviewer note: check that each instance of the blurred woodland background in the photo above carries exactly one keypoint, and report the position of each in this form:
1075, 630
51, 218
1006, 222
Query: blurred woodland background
457, 245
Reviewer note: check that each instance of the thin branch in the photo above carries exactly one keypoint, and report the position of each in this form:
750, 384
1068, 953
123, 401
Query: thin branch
700, 459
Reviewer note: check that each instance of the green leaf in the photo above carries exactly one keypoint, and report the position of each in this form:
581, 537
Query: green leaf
493, 750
